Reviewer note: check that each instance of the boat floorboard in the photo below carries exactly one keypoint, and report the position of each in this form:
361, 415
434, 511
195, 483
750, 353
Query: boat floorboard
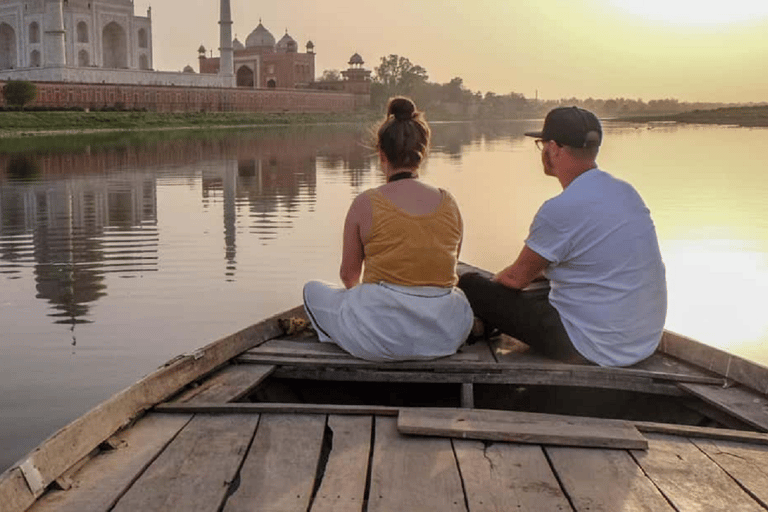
318, 462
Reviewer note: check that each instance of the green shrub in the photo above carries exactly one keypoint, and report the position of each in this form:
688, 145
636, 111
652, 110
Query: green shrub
19, 92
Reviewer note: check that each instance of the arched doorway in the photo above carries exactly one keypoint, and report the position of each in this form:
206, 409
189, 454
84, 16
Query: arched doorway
34, 59
83, 59
271, 83
115, 46
7, 46
244, 77
143, 62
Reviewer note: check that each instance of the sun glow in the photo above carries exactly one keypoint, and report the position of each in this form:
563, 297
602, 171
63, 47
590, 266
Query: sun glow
696, 12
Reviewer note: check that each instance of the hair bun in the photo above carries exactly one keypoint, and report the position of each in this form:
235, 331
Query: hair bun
402, 108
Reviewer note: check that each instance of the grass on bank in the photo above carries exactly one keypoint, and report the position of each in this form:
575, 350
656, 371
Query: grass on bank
739, 116
29, 122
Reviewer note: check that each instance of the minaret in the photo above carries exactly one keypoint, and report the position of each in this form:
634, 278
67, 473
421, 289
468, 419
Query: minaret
227, 61
53, 36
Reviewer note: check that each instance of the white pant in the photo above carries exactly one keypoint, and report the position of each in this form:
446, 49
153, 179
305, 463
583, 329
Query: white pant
387, 322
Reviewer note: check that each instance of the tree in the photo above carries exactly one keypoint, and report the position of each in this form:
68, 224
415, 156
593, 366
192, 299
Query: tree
399, 76
18, 93
330, 75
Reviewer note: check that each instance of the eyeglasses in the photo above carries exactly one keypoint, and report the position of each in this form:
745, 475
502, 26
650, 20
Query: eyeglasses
541, 143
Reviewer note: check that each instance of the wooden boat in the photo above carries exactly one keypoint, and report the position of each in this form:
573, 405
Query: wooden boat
268, 419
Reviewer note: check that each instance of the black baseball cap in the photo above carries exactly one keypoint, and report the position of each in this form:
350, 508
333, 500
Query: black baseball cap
571, 126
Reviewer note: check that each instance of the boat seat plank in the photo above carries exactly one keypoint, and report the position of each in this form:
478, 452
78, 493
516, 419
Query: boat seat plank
747, 464
99, 483
503, 476
743, 403
195, 471
279, 471
605, 480
689, 479
413, 473
287, 348
342, 488
520, 427
229, 384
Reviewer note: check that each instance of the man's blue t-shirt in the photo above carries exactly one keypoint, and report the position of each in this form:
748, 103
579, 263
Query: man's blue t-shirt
606, 272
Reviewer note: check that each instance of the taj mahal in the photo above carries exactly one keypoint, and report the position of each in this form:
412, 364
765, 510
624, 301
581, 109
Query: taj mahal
104, 42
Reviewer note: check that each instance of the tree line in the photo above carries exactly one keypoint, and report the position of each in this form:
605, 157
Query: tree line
397, 75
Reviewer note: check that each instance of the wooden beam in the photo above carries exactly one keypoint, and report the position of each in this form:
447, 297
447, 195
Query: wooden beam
229, 384
748, 373
740, 402
521, 427
73, 442
278, 408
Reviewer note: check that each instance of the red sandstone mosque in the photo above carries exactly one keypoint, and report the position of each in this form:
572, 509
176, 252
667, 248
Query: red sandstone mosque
94, 53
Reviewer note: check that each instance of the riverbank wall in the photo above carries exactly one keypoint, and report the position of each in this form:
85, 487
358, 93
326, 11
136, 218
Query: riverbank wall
172, 98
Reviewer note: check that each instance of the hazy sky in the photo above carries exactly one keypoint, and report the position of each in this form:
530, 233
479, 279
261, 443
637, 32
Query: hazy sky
692, 50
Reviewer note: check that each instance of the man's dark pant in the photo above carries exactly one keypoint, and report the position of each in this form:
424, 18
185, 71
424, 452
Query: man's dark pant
525, 315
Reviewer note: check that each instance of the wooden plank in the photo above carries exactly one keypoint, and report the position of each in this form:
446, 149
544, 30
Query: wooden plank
743, 403
605, 480
521, 377
196, 470
702, 432
689, 479
343, 483
15, 494
747, 464
229, 384
503, 476
277, 408
99, 484
279, 471
520, 427
748, 373
282, 347
73, 442
413, 473
461, 363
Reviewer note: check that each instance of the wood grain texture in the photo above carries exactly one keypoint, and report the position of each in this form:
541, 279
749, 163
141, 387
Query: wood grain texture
689, 479
746, 463
605, 480
520, 427
73, 442
499, 477
413, 473
278, 408
229, 384
195, 471
743, 403
279, 472
99, 484
343, 486
15, 494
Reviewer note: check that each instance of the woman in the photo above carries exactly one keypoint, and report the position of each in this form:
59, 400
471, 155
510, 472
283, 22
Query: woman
407, 235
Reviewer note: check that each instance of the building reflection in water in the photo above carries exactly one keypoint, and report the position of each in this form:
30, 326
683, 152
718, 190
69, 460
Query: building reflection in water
76, 216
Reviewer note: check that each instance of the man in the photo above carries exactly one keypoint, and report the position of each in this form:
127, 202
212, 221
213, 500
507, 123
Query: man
596, 244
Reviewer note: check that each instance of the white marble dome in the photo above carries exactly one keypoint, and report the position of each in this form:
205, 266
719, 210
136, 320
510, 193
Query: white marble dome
260, 37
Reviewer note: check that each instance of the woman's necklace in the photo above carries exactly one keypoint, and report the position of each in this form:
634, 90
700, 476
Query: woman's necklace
400, 176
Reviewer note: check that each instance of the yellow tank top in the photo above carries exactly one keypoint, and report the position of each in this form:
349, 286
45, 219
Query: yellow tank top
412, 250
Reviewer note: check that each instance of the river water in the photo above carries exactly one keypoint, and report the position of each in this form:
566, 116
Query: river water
118, 252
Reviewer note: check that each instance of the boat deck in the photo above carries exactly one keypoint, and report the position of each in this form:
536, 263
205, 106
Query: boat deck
284, 425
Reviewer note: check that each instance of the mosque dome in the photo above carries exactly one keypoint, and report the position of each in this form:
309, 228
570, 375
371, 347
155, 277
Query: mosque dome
201, 50
188, 69
356, 59
287, 44
237, 45
260, 37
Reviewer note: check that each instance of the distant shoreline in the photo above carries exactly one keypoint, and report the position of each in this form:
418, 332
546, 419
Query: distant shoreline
734, 116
